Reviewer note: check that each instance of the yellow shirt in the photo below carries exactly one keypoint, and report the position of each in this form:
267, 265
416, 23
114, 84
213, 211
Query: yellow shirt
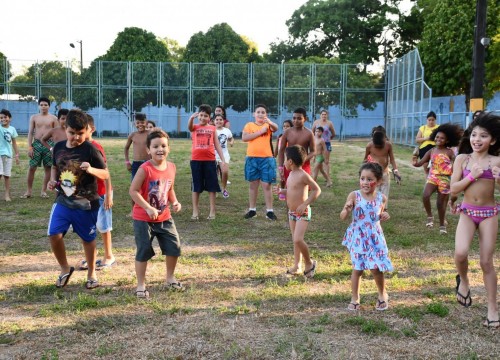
261, 146
426, 132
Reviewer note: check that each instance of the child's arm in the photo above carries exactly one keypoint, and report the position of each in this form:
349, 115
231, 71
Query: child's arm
51, 185
314, 192
31, 128
312, 147
348, 206
218, 148
102, 174
384, 215
16, 150
46, 138
422, 161
367, 152
246, 137
392, 160
231, 140
332, 130
172, 198
281, 154
108, 200
127, 147
134, 192
272, 126
191, 121
457, 183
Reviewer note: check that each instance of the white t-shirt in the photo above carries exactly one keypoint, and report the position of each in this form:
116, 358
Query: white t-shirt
224, 135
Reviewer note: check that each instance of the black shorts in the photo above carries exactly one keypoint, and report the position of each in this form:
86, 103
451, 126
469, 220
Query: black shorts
204, 176
422, 151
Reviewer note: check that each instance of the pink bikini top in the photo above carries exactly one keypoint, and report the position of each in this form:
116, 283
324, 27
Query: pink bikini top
487, 174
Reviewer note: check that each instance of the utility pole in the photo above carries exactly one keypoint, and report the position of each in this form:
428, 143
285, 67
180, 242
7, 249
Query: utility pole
478, 55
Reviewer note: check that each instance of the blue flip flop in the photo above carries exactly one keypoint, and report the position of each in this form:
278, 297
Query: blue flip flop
101, 265
62, 280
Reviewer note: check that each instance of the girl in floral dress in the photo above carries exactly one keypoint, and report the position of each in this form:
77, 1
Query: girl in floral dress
364, 237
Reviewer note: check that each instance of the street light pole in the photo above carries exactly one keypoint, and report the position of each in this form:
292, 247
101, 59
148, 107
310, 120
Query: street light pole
478, 55
81, 54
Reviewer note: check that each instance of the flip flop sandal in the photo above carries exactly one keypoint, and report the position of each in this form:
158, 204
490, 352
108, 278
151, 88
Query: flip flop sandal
310, 273
25, 196
142, 294
82, 265
353, 306
381, 305
465, 301
176, 286
62, 280
489, 324
91, 284
430, 222
101, 265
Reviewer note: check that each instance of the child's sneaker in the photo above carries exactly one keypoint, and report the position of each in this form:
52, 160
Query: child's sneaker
250, 214
270, 215
225, 194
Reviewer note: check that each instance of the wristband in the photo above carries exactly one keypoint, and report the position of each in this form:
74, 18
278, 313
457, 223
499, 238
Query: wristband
127, 162
280, 167
471, 178
17, 155
395, 170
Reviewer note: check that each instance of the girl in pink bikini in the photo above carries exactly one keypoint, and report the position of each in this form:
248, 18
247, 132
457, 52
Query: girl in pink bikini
475, 171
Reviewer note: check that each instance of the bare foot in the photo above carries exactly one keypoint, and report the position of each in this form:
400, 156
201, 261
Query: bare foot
7, 198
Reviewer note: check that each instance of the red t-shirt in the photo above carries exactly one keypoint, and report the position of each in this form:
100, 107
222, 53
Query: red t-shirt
101, 188
154, 190
203, 148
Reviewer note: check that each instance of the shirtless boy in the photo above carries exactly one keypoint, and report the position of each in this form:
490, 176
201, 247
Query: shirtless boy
58, 133
379, 150
319, 150
297, 135
39, 125
140, 150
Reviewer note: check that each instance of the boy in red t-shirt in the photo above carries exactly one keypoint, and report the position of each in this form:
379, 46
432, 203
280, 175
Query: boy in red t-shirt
203, 165
152, 190
105, 215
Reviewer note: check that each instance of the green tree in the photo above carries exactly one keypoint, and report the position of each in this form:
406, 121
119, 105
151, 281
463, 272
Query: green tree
176, 51
447, 57
219, 44
4, 66
493, 66
348, 30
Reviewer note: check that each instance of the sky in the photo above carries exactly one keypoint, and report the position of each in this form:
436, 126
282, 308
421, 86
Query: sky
43, 30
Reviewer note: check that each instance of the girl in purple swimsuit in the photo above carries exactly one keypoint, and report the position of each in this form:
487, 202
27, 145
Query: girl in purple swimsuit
475, 171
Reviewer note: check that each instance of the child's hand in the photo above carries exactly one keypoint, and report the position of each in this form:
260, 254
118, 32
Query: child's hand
176, 206
108, 202
152, 213
85, 166
476, 171
129, 166
384, 216
195, 115
454, 209
51, 185
223, 166
349, 205
301, 209
17, 159
496, 171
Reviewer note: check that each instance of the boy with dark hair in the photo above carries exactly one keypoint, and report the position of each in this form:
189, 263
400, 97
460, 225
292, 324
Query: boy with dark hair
260, 165
39, 155
301, 191
8, 135
320, 149
58, 133
203, 165
77, 164
140, 152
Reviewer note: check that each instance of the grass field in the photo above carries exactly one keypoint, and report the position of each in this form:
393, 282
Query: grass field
239, 304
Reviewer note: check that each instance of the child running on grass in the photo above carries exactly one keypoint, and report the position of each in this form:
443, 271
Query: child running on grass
77, 164
203, 166
8, 147
287, 124
152, 190
364, 237
441, 159
225, 137
475, 172
140, 153
301, 191
319, 159
105, 215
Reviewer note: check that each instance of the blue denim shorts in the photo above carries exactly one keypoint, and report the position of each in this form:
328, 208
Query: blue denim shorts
263, 169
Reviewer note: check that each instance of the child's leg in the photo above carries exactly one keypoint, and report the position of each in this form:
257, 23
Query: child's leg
59, 250
211, 197
140, 273
46, 178
109, 258
296, 251
429, 189
298, 241
442, 204
268, 194
30, 179
326, 175
355, 284
7, 187
378, 276
196, 203
487, 240
90, 255
171, 262
463, 238
252, 193
224, 177
316, 168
